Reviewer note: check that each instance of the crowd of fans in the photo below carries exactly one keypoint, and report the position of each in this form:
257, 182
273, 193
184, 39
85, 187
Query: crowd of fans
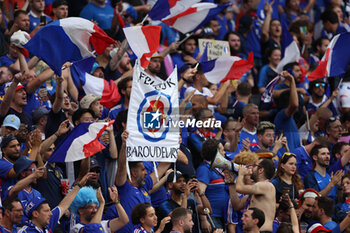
290, 156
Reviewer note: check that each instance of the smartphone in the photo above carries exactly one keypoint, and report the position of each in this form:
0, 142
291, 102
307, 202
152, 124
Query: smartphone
15, 6
285, 192
43, 19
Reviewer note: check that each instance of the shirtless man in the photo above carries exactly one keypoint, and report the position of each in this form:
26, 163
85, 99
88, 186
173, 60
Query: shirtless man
262, 192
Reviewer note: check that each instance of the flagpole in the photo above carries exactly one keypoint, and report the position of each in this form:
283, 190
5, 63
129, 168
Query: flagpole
144, 19
188, 35
307, 119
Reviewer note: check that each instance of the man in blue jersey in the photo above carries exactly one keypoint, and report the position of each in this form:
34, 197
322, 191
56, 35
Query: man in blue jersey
99, 11
37, 11
251, 120
323, 210
136, 190
288, 105
13, 213
319, 179
41, 217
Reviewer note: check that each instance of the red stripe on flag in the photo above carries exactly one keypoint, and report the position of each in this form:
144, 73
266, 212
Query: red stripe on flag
95, 146
321, 69
100, 40
172, 20
239, 68
172, 3
152, 35
110, 94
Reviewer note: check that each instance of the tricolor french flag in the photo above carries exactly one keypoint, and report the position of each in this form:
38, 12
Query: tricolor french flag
169, 8
80, 143
335, 60
194, 17
290, 49
266, 96
143, 41
69, 39
93, 85
226, 68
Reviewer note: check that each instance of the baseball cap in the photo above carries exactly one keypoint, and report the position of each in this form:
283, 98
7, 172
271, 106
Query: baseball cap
178, 175
157, 55
38, 113
6, 140
316, 227
32, 204
22, 163
93, 228
96, 66
88, 100
94, 163
12, 121
8, 84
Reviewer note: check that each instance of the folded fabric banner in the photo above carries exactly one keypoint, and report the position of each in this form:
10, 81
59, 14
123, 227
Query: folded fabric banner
80, 143
67, 39
153, 118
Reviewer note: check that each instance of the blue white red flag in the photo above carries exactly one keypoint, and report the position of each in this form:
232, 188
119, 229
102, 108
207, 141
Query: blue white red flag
108, 90
226, 68
266, 96
67, 39
204, 56
194, 17
168, 8
143, 41
80, 143
290, 49
336, 58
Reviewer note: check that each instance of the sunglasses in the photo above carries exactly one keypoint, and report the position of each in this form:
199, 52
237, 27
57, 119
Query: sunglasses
320, 85
30, 169
96, 170
330, 120
288, 154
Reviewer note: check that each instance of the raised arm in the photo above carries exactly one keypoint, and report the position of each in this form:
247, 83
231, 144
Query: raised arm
57, 105
117, 223
220, 93
293, 98
67, 201
241, 187
121, 176
21, 184
265, 30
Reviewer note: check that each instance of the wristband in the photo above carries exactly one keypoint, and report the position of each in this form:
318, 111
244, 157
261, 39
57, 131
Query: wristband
117, 202
185, 80
202, 194
56, 134
79, 185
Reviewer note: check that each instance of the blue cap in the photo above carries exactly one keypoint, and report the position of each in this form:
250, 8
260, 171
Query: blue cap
12, 121
132, 12
22, 163
32, 204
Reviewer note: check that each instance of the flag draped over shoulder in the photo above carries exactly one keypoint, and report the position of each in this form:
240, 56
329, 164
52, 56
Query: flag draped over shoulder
226, 68
108, 90
335, 60
152, 118
80, 143
69, 39
144, 41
